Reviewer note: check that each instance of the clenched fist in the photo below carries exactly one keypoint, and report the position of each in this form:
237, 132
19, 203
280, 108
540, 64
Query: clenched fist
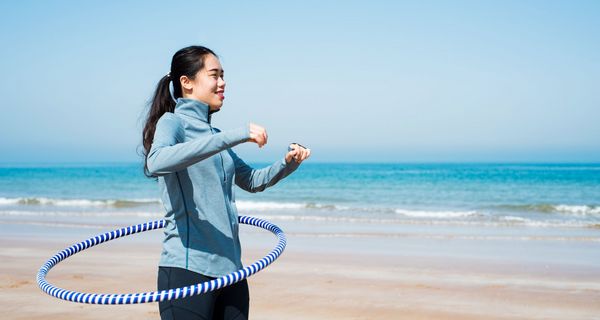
258, 135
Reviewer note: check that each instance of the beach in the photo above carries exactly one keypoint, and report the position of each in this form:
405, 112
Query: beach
364, 241
328, 271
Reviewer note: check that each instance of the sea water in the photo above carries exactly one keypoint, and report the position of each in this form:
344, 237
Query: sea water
532, 195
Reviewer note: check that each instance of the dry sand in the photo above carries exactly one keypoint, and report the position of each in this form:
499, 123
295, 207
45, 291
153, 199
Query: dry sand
330, 284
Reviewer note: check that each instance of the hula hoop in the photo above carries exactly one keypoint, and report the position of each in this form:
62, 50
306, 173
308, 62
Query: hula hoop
154, 296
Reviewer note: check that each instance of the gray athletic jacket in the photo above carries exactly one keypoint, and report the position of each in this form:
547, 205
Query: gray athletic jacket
196, 169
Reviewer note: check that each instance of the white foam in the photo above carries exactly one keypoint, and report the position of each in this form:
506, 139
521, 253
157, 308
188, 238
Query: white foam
514, 219
75, 202
435, 214
501, 221
578, 209
46, 213
325, 219
264, 205
43, 201
328, 206
5, 201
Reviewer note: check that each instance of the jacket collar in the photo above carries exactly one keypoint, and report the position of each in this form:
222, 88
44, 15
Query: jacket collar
194, 108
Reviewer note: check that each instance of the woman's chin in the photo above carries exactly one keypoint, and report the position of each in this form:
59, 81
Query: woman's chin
216, 106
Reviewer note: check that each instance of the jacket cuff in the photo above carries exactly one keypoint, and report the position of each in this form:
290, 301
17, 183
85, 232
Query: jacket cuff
293, 165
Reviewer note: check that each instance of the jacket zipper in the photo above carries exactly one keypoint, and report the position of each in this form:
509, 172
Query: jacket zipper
220, 155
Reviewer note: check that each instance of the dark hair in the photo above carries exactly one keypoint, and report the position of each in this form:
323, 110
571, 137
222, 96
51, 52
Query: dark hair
186, 62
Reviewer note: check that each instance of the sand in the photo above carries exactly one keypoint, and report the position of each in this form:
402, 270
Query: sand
322, 275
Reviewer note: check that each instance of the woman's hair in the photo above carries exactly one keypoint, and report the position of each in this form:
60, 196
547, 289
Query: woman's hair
186, 62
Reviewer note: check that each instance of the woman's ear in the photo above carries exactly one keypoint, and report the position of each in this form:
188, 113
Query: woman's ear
186, 83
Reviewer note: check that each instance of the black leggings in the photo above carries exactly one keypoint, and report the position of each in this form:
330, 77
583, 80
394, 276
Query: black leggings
229, 303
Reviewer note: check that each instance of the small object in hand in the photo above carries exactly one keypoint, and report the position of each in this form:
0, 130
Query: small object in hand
290, 146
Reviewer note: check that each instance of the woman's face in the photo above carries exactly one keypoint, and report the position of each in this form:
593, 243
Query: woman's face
208, 85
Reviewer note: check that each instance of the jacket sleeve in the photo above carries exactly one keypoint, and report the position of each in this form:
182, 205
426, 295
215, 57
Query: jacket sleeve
257, 180
168, 154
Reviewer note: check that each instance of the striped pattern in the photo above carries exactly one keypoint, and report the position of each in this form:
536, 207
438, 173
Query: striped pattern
156, 296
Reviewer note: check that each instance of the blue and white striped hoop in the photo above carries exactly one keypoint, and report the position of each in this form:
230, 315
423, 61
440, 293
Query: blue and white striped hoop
156, 296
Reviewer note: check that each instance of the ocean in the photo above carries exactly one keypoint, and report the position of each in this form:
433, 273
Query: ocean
464, 194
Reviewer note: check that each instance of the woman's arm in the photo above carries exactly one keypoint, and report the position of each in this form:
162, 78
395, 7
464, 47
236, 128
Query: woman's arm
168, 154
256, 180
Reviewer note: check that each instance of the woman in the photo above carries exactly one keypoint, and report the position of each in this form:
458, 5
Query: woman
196, 170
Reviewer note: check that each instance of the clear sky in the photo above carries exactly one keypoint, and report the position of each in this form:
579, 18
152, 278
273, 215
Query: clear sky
353, 80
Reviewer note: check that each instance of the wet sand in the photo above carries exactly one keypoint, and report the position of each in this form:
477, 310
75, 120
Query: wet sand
346, 274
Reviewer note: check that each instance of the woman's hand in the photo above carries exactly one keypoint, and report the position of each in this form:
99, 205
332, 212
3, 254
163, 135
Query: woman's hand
258, 134
298, 153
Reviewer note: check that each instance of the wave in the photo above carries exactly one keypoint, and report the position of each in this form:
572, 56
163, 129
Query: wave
82, 214
350, 234
482, 221
535, 215
581, 210
578, 210
571, 210
508, 221
242, 205
348, 210
41, 201
128, 203
436, 214
272, 205
268, 205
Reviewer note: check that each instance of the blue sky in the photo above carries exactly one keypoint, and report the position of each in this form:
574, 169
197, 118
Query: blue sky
354, 80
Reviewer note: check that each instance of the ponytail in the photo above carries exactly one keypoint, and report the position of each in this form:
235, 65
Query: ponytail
161, 104
186, 62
